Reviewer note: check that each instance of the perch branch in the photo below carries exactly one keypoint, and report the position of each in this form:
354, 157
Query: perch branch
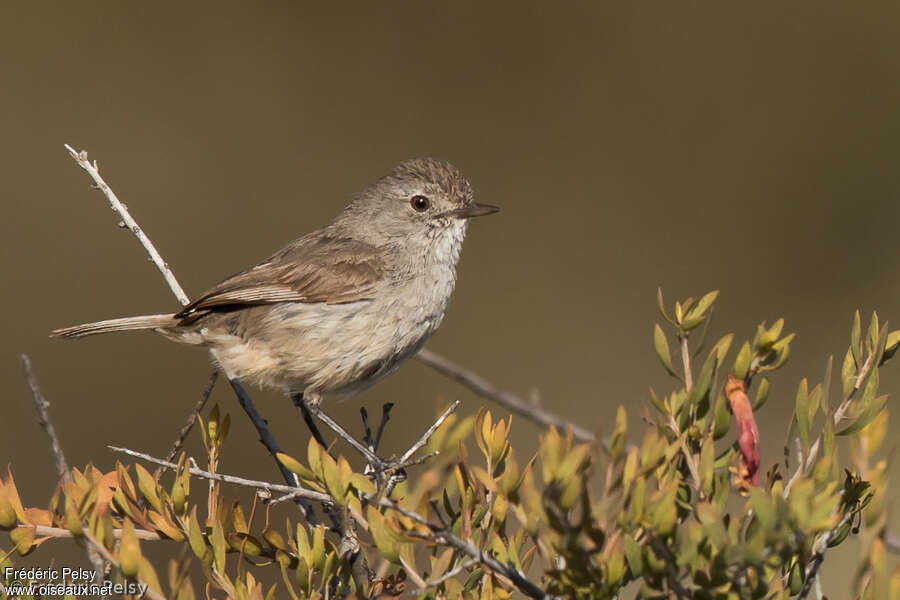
62, 532
486, 389
297, 491
313, 409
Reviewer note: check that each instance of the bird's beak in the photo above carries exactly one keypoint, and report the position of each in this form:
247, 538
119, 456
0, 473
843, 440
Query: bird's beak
472, 210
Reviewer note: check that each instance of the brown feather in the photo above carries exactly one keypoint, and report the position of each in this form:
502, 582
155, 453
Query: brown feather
316, 268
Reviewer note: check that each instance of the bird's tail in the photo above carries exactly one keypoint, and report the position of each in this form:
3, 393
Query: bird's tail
125, 324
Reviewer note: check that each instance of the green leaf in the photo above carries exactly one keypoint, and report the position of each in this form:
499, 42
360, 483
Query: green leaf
129, 550
701, 385
762, 394
840, 536
212, 424
766, 338
245, 543
707, 466
699, 310
384, 541
890, 346
661, 306
742, 362
721, 348
866, 416
318, 547
634, 556
218, 546
662, 350
848, 372
872, 333
295, 466
722, 422
195, 536
628, 473
147, 485
856, 338
802, 412
763, 507
314, 457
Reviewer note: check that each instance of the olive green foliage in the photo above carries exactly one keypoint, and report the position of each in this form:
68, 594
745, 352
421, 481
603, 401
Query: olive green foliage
669, 511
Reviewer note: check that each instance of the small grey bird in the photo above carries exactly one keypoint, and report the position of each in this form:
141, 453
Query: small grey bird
343, 306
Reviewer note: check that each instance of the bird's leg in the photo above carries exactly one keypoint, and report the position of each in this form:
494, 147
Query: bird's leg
301, 402
268, 440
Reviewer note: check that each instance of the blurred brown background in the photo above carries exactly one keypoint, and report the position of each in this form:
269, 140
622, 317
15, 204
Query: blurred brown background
751, 148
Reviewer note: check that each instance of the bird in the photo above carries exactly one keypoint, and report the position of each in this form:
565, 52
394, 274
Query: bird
341, 307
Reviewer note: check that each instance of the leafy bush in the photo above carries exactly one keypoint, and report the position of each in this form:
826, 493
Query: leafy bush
684, 512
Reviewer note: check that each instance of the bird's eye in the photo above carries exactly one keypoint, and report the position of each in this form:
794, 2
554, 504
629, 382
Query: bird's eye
419, 203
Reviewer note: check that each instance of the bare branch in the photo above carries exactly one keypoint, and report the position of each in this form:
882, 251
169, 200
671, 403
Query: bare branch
297, 491
92, 170
62, 466
463, 566
313, 408
429, 432
398, 470
192, 418
62, 532
686, 363
40, 402
486, 389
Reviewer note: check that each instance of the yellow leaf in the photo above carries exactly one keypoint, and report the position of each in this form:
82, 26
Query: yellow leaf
129, 550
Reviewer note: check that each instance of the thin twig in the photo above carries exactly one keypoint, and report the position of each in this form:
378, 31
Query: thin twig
129, 222
62, 532
486, 389
297, 491
62, 467
314, 410
429, 432
686, 363
398, 469
192, 418
463, 566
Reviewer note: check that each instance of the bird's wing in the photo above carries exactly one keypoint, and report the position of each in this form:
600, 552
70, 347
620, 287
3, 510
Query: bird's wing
317, 268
